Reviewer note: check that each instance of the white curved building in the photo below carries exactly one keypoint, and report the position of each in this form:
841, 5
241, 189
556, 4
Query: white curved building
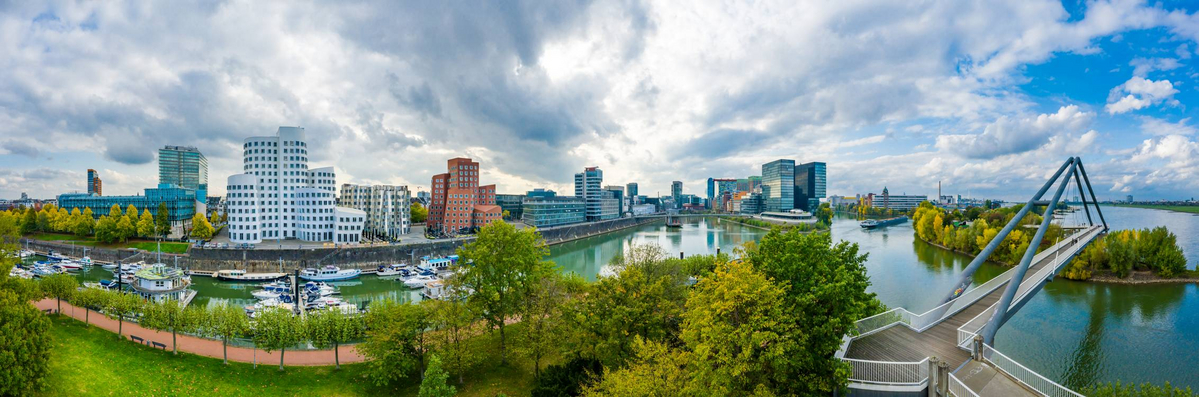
279, 197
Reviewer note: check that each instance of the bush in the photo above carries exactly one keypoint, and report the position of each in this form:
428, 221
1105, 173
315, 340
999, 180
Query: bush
567, 379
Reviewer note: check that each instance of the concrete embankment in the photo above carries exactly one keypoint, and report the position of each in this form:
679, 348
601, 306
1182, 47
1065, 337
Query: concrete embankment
265, 259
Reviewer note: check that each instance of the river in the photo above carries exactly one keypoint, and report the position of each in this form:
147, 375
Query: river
1075, 333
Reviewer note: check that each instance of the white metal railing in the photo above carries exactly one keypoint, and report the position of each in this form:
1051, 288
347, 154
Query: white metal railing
1026, 376
967, 331
888, 373
883, 320
959, 389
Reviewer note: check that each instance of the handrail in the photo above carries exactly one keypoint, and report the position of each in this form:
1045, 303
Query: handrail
888, 373
1026, 376
959, 389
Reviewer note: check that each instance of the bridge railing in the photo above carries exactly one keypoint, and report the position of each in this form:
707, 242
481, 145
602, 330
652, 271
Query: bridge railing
959, 389
889, 373
1026, 376
883, 320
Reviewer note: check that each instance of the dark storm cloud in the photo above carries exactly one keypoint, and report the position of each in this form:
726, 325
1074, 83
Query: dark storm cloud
721, 143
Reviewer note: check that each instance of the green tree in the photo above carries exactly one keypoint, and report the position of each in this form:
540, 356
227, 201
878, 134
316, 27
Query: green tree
506, 264
125, 229
825, 293
91, 299
276, 329
162, 220
201, 229
434, 384
418, 213
214, 218
115, 212
106, 229
542, 317
739, 331
145, 224
227, 322
395, 340
24, 346
29, 225
452, 319
331, 328
170, 315
60, 286
655, 370
120, 306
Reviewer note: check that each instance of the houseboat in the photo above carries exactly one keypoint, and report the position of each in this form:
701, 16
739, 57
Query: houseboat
242, 276
875, 224
158, 283
439, 264
329, 273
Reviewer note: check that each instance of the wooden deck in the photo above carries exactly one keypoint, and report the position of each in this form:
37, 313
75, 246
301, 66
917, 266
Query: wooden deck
902, 344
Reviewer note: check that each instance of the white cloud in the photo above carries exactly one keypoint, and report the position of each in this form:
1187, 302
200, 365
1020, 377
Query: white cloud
1156, 126
1139, 93
1016, 135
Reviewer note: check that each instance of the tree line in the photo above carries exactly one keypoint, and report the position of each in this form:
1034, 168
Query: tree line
1121, 252
113, 227
969, 232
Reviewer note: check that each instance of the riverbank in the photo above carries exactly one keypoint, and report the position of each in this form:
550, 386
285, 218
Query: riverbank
758, 224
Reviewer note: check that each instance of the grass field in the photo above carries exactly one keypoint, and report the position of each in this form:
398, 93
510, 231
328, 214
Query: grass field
92, 361
1193, 209
167, 247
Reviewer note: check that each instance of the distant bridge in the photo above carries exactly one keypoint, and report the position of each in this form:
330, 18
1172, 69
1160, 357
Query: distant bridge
948, 350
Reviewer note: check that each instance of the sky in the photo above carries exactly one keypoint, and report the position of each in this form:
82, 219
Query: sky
987, 97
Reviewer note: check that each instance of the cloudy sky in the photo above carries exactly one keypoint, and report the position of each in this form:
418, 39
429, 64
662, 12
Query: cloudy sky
987, 97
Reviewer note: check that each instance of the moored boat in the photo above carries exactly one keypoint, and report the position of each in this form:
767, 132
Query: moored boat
329, 273
242, 276
395, 269
877, 223
418, 281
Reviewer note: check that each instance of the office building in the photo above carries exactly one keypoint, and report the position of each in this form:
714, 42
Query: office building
599, 204
676, 193
423, 197
550, 211
387, 209
510, 203
94, 186
896, 202
750, 203
278, 197
459, 204
186, 167
810, 184
778, 186
631, 189
616, 192
539, 192
181, 203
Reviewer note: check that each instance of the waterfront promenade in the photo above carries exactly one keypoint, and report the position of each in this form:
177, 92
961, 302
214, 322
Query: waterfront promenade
206, 347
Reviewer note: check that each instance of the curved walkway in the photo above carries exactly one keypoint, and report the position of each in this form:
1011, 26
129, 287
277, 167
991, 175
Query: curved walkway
207, 347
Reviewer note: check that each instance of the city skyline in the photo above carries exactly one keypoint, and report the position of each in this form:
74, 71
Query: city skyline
985, 108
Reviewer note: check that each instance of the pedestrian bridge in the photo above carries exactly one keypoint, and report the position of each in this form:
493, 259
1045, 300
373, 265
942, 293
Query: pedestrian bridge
948, 350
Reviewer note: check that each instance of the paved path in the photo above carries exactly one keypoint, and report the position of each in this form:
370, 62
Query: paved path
208, 347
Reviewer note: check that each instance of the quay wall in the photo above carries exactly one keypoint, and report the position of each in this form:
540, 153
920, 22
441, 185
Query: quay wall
265, 259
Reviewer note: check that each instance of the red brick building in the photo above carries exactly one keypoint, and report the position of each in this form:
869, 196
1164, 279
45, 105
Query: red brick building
458, 203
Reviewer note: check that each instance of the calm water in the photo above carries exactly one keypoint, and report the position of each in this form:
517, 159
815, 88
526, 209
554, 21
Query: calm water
1075, 333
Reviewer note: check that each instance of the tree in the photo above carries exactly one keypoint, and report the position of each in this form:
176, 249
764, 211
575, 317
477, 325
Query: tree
29, 225
395, 340
825, 293
162, 220
418, 213
434, 384
24, 347
276, 329
567, 379
214, 218
145, 224
655, 369
125, 229
60, 286
106, 230
122, 305
228, 322
506, 264
170, 315
201, 229
115, 211
90, 299
331, 328
739, 331
542, 317
131, 212
452, 319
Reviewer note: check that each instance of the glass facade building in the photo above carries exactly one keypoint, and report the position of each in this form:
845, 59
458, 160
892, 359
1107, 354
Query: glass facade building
184, 166
181, 203
810, 185
588, 187
554, 211
512, 203
778, 186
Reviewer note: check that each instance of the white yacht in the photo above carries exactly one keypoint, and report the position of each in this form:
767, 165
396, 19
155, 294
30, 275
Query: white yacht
395, 269
329, 273
418, 281
242, 276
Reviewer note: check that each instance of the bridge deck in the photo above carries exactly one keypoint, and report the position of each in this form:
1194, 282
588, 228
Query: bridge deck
902, 344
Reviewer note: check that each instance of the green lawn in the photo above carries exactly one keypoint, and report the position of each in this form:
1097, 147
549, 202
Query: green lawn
167, 247
1194, 209
92, 361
